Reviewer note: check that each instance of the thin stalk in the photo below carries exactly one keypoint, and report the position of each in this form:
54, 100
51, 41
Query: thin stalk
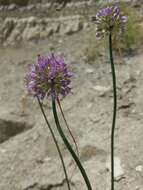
76, 146
56, 143
67, 125
114, 109
69, 147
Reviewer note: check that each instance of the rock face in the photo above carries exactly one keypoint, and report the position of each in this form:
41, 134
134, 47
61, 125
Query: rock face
9, 129
11, 126
17, 2
42, 19
32, 28
25, 2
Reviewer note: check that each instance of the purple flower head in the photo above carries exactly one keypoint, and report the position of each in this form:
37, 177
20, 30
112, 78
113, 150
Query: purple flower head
49, 77
109, 19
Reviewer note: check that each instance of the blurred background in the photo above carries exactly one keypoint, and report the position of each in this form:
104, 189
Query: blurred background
28, 157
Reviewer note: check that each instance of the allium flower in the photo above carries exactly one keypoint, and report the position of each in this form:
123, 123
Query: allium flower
109, 19
49, 77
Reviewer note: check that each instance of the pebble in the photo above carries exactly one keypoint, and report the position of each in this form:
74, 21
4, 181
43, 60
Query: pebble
11, 7
89, 71
139, 168
3, 150
47, 159
138, 188
30, 7
102, 90
119, 172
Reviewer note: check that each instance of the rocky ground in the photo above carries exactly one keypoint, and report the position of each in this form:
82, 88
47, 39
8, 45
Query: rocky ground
28, 157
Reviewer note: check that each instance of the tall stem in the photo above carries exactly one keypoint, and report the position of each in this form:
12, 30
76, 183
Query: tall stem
56, 143
70, 132
114, 110
82, 170
66, 123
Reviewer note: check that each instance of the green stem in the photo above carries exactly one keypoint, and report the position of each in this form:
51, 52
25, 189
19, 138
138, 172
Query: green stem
82, 170
114, 110
70, 132
66, 123
56, 143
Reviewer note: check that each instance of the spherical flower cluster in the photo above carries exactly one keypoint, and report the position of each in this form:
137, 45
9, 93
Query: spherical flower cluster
49, 77
109, 19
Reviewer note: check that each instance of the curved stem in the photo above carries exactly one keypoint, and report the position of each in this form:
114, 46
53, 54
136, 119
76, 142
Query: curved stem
82, 170
66, 123
56, 143
114, 110
76, 146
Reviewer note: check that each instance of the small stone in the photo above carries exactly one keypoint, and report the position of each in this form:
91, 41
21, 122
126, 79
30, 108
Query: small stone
60, 41
102, 90
11, 7
138, 187
139, 168
89, 71
119, 173
30, 7
2, 150
47, 159
31, 20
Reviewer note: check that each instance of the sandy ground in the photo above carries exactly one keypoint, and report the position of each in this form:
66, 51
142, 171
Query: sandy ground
28, 157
